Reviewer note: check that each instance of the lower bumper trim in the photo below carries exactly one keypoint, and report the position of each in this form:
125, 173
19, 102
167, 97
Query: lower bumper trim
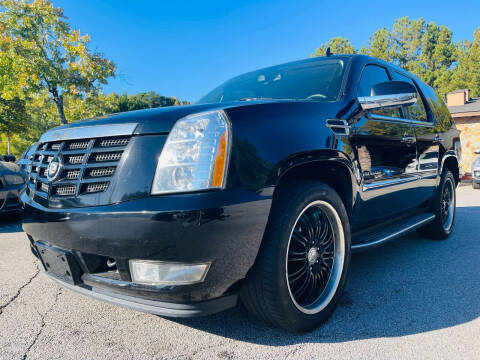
155, 307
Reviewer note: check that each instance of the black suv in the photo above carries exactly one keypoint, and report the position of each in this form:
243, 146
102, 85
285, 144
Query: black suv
259, 192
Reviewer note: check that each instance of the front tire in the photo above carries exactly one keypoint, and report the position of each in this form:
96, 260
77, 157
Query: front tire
444, 208
302, 266
475, 185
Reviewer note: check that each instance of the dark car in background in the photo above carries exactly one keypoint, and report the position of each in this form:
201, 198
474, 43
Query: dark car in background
26, 158
259, 192
11, 183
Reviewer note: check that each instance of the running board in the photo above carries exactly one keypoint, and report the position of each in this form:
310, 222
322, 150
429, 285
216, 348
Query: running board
371, 241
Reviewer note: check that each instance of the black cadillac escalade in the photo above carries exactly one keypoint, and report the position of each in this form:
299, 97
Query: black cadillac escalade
259, 192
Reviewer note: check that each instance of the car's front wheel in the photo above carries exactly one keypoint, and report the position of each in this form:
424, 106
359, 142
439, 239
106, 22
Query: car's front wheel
302, 265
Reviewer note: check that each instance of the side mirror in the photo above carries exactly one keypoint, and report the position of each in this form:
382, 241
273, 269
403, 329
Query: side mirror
477, 151
389, 94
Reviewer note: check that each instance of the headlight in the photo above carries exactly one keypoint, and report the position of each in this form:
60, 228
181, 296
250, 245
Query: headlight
195, 154
13, 179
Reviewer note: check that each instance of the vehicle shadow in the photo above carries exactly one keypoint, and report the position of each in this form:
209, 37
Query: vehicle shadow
10, 224
410, 286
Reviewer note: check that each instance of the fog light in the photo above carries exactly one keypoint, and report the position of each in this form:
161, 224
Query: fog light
167, 273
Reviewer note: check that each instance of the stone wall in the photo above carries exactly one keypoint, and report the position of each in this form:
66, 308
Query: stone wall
470, 138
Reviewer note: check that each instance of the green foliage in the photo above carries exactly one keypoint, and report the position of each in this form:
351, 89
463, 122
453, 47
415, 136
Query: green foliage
337, 45
47, 74
58, 57
425, 49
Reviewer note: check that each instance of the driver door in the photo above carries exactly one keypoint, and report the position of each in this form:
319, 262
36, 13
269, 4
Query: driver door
385, 146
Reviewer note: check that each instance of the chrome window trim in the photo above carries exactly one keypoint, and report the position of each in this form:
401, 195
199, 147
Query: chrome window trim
399, 120
90, 131
383, 101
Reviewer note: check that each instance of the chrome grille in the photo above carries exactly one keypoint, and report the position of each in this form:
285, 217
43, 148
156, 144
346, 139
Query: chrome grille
101, 172
75, 159
72, 174
82, 165
114, 142
96, 187
114, 156
78, 145
66, 190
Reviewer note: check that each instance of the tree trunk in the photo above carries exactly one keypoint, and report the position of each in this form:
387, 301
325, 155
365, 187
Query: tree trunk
9, 144
58, 99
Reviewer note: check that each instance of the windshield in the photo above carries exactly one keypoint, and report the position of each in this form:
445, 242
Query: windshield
316, 80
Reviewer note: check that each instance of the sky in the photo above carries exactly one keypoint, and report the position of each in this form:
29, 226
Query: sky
186, 48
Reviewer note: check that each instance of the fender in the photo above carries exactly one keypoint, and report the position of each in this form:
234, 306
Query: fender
449, 154
290, 163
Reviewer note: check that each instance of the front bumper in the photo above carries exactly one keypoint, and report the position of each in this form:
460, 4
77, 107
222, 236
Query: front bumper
224, 228
9, 198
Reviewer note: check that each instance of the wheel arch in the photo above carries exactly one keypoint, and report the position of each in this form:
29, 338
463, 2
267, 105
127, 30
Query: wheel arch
331, 168
450, 162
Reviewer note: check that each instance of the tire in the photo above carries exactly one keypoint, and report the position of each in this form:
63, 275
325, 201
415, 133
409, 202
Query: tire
267, 292
475, 185
442, 226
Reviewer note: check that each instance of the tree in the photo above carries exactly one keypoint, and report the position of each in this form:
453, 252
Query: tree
13, 118
467, 72
425, 49
58, 56
337, 45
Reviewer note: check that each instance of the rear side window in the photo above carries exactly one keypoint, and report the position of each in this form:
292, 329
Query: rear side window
416, 111
371, 76
439, 111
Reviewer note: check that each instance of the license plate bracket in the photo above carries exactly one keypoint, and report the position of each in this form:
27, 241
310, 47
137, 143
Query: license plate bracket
59, 263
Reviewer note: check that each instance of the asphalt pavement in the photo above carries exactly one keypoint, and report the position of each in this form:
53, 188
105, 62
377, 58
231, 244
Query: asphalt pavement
411, 299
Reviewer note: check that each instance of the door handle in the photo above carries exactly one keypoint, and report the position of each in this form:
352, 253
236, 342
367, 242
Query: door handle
409, 140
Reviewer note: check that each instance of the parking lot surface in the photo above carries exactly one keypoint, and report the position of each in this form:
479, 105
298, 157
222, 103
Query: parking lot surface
413, 298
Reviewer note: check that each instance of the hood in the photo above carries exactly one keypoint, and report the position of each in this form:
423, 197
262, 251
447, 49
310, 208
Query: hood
158, 120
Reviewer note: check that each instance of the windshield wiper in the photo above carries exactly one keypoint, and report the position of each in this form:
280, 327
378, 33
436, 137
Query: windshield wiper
262, 98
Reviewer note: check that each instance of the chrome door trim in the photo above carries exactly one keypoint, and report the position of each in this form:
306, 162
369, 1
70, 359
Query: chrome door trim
364, 246
90, 131
390, 182
396, 120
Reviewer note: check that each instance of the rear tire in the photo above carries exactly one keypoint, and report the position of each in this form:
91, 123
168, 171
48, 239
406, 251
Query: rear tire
302, 265
444, 208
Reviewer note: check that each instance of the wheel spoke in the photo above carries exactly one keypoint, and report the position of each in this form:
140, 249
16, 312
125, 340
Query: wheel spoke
298, 237
299, 292
297, 274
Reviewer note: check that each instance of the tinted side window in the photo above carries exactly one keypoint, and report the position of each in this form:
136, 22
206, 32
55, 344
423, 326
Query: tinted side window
439, 111
371, 76
417, 110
